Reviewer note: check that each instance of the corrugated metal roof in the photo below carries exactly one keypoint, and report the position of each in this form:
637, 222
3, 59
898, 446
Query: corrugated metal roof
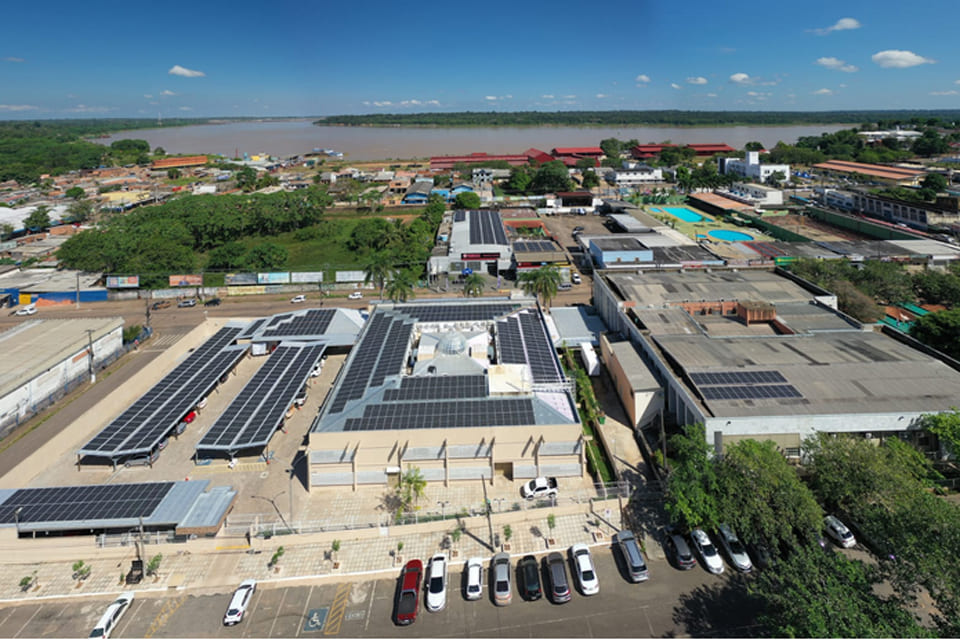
207, 512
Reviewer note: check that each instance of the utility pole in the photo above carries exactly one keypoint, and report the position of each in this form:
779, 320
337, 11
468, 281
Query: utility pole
78, 289
93, 376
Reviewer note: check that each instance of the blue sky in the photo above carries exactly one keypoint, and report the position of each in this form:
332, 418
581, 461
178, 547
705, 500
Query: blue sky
243, 58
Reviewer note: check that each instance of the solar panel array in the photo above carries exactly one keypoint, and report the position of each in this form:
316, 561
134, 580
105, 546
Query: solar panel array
458, 312
375, 358
91, 502
751, 392
459, 216
530, 246
312, 323
444, 414
155, 413
394, 352
438, 388
523, 340
738, 377
257, 411
486, 228
251, 329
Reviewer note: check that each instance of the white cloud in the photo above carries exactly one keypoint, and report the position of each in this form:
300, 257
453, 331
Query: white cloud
836, 64
17, 107
549, 96
759, 95
823, 92
711, 95
602, 95
406, 103
148, 95
741, 78
697, 80
82, 108
167, 92
435, 103
843, 24
951, 92
177, 70
382, 103
570, 97
744, 80
186, 108
842, 86
674, 85
897, 59
489, 97
13, 59
642, 78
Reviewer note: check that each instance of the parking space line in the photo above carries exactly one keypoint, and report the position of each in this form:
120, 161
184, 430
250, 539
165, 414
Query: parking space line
647, 617
168, 609
258, 595
134, 613
337, 609
373, 592
29, 620
283, 597
306, 605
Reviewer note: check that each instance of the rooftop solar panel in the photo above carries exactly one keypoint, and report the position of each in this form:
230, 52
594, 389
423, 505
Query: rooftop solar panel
313, 322
459, 215
444, 414
522, 341
486, 228
90, 502
737, 377
438, 388
457, 312
751, 392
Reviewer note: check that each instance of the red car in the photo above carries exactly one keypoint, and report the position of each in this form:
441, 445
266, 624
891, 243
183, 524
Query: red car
408, 597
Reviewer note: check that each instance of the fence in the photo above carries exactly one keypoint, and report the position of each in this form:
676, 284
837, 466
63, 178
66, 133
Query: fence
267, 525
14, 421
105, 540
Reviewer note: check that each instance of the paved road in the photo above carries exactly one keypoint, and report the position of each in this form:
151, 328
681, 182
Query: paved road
673, 603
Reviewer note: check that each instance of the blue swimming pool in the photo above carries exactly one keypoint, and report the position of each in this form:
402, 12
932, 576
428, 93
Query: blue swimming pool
729, 236
687, 215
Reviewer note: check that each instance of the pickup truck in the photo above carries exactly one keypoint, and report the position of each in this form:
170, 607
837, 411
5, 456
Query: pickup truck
539, 488
408, 597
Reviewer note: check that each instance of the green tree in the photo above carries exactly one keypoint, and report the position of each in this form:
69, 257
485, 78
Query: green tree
467, 200
590, 180
939, 330
412, 487
776, 178
934, 182
400, 288
611, 147
267, 256
753, 145
473, 285
370, 234
542, 283
6, 230
550, 178
946, 426
247, 178
230, 255
39, 219
79, 211
173, 173
159, 151
691, 492
378, 270
930, 143
76, 193
520, 179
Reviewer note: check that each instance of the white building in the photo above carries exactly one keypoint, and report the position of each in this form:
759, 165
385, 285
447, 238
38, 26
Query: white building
756, 195
632, 174
751, 167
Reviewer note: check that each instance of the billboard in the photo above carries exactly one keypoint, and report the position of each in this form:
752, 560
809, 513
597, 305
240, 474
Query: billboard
123, 282
351, 276
240, 278
276, 277
187, 280
306, 276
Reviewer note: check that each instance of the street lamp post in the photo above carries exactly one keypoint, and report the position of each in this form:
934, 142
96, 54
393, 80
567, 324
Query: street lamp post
443, 507
16, 519
93, 376
273, 502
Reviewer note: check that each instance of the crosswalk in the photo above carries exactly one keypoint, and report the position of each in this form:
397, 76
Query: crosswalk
161, 341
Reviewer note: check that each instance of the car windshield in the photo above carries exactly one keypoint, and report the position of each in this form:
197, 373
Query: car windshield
708, 550
97, 633
502, 586
473, 588
233, 612
436, 585
735, 546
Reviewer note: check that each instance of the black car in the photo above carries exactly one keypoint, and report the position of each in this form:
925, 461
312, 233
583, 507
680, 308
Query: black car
212, 302
528, 577
679, 551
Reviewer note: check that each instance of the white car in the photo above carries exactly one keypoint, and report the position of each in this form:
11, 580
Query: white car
734, 548
541, 487
28, 310
239, 602
839, 532
711, 558
474, 590
586, 573
575, 278
108, 621
356, 295
437, 583
299, 298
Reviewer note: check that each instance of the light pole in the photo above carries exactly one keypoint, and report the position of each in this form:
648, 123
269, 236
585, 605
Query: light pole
273, 501
443, 507
16, 518
93, 376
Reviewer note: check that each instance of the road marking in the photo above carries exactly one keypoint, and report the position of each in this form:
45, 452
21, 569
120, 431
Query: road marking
306, 603
337, 609
168, 609
370, 606
279, 611
314, 620
28, 621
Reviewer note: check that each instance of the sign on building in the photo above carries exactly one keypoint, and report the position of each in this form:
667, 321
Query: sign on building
186, 280
123, 282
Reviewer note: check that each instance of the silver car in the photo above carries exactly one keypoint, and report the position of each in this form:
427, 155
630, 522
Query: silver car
734, 548
502, 593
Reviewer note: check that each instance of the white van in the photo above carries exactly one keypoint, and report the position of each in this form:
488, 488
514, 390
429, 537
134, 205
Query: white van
110, 618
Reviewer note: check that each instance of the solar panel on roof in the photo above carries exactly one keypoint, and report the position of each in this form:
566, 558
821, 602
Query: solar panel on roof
444, 414
459, 216
90, 502
313, 322
751, 392
737, 377
438, 388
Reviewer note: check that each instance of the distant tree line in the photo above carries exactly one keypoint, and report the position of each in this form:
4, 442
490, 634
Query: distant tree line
639, 118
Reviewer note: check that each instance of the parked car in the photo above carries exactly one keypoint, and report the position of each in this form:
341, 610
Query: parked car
502, 593
678, 549
189, 302
760, 553
28, 310
408, 596
528, 577
632, 557
839, 532
142, 461
160, 304
115, 610
557, 573
585, 571
356, 295
712, 561
737, 555
575, 278
541, 487
474, 588
437, 583
301, 398
239, 602
577, 229
564, 286
299, 298
212, 302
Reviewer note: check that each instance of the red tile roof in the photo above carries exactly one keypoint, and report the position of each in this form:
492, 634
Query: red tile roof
876, 170
711, 148
572, 151
447, 162
170, 163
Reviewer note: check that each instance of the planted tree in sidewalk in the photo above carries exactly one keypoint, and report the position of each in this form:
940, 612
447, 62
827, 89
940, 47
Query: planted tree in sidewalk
551, 523
81, 570
28, 581
276, 556
335, 549
154, 564
411, 489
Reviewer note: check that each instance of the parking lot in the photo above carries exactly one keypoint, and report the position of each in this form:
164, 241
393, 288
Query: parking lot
671, 603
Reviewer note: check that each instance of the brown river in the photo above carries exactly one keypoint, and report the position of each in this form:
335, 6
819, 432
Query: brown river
290, 138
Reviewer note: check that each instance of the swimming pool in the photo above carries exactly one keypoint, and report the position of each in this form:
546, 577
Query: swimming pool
729, 236
687, 215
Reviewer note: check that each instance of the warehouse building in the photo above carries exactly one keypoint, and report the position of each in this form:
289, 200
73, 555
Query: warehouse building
477, 241
43, 359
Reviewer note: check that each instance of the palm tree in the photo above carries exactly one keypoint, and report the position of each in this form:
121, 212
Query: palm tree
400, 289
542, 283
378, 270
473, 285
